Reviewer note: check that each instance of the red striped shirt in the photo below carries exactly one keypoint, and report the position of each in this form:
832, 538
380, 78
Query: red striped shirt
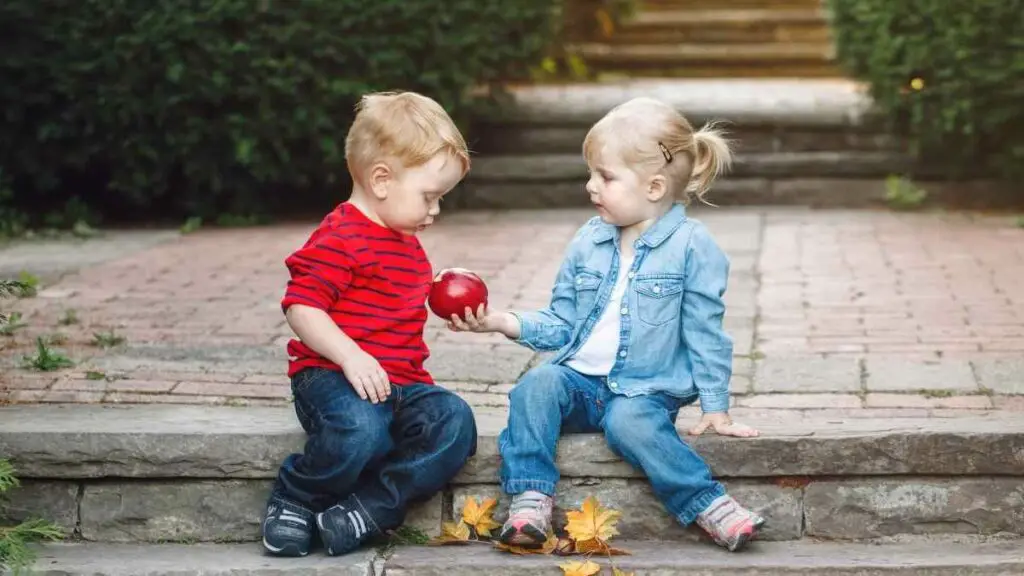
373, 282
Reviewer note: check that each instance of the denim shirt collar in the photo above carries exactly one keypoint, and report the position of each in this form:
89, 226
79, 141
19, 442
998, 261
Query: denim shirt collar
655, 235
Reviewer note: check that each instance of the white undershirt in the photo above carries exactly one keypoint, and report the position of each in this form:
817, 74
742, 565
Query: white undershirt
597, 355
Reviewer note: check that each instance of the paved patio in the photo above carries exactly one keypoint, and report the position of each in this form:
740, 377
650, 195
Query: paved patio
832, 312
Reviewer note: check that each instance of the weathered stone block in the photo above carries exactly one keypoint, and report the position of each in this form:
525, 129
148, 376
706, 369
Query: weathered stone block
643, 516
177, 511
55, 502
899, 375
881, 507
427, 516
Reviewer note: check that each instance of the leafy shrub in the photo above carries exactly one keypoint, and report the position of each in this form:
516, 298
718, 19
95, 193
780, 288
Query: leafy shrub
947, 73
228, 106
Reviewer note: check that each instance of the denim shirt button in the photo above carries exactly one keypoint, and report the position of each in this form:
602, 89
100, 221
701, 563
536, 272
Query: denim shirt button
631, 275
613, 385
622, 353
625, 310
657, 288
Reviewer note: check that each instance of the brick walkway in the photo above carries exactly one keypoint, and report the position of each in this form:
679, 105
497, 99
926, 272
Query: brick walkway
856, 313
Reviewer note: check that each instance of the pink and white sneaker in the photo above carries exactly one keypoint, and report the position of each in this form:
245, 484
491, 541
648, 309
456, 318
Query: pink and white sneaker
529, 520
729, 524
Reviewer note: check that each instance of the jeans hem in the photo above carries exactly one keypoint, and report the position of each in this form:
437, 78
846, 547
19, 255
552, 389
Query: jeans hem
362, 508
699, 504
514, 487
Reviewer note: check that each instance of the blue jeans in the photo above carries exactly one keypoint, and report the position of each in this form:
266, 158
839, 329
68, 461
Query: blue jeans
552, 399
387, 455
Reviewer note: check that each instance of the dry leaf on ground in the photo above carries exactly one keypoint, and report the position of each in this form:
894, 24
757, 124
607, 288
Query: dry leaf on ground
479, 516
599, 547
451, 533
592, 522
587, 568
617, 572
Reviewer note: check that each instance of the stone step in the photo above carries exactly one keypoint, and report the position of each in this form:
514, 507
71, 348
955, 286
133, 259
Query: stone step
938, 558
795, 70
723, 56
784, 104
832, 178
934, 557
148, 473
700, 5
741, 26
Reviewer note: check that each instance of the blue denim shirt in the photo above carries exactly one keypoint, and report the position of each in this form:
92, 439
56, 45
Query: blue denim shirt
671, 338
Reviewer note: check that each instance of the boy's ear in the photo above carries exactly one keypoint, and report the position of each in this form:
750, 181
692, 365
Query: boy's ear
380, 179
657, 188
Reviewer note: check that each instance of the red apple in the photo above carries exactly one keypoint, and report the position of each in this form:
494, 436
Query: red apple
453, 290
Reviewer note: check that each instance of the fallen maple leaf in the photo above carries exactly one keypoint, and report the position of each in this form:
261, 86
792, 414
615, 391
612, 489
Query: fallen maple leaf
592, 522
598, 546
617, 572
565, 547
478, 516
587, 568
549, 547
451, 533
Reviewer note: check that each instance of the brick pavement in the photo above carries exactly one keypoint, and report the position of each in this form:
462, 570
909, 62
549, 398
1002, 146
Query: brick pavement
845, 312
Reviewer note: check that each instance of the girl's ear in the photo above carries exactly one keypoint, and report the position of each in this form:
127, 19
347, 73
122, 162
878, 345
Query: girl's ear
657, 188
380, 180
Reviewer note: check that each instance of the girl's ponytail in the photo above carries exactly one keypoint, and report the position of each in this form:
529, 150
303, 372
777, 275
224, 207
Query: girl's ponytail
712, 158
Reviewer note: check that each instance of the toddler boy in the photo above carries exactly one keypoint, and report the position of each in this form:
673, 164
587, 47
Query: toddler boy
380, 434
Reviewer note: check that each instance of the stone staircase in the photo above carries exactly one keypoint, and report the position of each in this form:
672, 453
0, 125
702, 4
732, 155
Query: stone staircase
816, 143
161, 490
717, 39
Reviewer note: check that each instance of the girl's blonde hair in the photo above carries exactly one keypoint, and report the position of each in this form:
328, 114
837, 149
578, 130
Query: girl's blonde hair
651, 137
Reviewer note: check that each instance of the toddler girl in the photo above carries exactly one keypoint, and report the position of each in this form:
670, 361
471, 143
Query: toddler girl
636, 320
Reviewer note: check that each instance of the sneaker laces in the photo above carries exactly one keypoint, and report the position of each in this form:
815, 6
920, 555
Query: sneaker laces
529, 502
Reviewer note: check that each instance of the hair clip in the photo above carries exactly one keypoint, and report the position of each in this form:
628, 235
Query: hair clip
665, 153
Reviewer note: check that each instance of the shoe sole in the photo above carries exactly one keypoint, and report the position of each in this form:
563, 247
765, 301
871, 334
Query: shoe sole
289, 550
533, 538
745, 539
325, 534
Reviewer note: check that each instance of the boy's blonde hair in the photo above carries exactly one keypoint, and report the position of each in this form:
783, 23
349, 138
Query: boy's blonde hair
401, 126
651, 137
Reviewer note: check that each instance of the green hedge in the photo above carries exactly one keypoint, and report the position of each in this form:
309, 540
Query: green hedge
203, 107
967, 110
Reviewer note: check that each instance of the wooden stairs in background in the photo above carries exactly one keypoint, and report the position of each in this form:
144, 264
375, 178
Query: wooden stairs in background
716, 39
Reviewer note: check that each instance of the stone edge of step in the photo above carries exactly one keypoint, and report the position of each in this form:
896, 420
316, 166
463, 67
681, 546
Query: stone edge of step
150, 441
754, 102
943, 555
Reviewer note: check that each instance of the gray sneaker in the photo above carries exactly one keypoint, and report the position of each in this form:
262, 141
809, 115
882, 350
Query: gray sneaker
729, 524
529, 520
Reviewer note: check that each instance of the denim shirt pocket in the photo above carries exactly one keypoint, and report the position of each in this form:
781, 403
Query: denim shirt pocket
659, 298
586, 284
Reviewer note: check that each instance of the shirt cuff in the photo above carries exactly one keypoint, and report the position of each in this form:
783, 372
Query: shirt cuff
714, 402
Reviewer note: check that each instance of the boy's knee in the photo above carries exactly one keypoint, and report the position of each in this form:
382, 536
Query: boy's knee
361, 436
458, 420
541, 383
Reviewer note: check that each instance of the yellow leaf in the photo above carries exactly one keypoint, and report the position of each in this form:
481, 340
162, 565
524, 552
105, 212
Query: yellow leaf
451, 533
587, 568
598, 547
565, 547
617, 572
592, 522
479, 516
549, 547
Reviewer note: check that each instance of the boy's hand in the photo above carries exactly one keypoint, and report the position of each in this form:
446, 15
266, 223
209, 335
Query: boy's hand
370, 381
721, 423
482, 321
